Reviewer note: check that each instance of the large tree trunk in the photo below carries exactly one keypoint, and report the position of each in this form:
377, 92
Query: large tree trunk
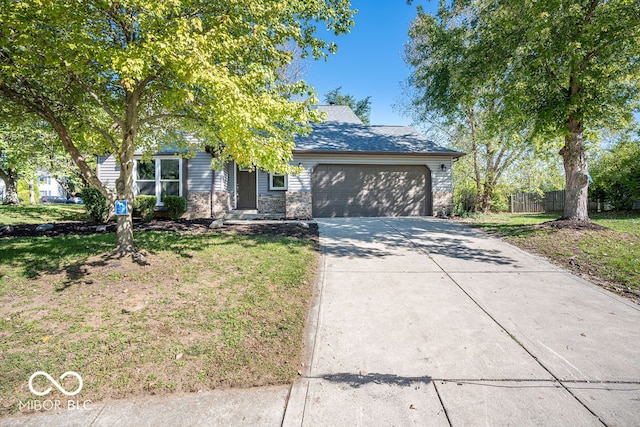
124, 190
486, 198
124, 183
10, 178
576, 173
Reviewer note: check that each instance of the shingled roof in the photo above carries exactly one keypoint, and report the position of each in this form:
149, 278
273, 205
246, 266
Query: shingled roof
343, 131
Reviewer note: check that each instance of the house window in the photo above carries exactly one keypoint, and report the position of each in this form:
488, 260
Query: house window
159, 177
277, 182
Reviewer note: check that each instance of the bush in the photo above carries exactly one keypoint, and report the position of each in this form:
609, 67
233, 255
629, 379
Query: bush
175, 206
25, 195
143, 206
616, 176
96, 204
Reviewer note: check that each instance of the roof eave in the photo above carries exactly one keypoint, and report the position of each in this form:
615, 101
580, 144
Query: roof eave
392, 153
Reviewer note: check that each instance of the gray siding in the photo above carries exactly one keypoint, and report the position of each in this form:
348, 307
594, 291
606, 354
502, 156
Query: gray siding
200, 174
263, 183
108, 171
229, 174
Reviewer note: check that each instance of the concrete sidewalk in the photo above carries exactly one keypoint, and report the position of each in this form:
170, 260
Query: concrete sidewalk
427, 322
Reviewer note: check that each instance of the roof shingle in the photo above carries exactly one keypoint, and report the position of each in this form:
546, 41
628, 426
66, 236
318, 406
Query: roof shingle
344, 132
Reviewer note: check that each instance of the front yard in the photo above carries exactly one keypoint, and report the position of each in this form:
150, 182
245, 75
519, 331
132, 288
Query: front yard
200, 311
610, 258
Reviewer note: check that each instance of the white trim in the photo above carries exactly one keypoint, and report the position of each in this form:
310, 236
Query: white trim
235, 185
272, 187
157, 177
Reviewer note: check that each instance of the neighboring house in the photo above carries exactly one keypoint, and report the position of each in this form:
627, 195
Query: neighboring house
3, 190
49, 186
350, 169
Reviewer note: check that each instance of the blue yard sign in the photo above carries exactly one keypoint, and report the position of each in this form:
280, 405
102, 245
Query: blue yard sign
121, 207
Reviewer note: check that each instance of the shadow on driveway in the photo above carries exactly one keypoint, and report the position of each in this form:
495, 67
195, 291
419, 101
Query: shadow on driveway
383, 237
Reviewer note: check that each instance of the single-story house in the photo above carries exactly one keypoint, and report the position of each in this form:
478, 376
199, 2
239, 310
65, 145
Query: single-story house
350, 169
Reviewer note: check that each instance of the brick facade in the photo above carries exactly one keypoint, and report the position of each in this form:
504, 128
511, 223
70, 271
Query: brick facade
442, 203
298, 205
222, 203
272, 203
199, 204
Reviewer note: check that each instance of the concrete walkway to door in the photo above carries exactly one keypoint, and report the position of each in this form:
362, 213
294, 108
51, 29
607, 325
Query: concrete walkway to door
428, 322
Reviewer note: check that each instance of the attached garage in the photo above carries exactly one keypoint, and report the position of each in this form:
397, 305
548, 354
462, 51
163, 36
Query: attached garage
343, 190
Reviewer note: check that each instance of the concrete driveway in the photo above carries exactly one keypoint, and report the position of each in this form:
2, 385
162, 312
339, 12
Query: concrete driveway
428, 322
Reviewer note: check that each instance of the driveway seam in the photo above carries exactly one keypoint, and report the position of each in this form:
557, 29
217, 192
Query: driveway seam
444, 408
513, 337
320, 282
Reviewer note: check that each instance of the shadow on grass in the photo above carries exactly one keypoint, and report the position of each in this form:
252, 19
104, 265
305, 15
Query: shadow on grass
40, 214
507, 230
32, 257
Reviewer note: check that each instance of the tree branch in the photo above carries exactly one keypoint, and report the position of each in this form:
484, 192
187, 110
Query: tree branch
96, 98
155, 117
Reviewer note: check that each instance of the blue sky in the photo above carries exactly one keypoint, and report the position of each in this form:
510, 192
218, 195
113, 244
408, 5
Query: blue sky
370, 61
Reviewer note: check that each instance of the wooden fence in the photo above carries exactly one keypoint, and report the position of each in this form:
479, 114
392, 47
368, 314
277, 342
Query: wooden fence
551, 201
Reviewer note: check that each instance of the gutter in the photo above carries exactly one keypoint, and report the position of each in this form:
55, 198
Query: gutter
455, 154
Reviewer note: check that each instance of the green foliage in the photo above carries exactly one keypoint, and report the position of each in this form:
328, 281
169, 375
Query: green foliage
143, 205
175, 205
24, 193
572, 69
616, 175
143, 75
96, 204
361, 108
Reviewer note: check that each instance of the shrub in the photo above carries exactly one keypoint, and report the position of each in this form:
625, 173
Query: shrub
175, 206
96, 204
143, 206
616, 175
25, 195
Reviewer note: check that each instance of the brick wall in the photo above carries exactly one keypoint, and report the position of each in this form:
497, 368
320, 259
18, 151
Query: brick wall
272, 203
298, 205
442, 202
199, 204
222, 203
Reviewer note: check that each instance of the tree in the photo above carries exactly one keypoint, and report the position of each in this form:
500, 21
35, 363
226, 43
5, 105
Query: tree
559, 68
21, 153
616, 174
122, 76
440, 95
361, 108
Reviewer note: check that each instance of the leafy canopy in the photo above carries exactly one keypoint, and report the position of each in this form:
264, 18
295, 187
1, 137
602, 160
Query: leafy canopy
161, 72
543, 60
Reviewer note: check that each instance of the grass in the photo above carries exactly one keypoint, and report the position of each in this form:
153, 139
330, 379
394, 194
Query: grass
201, 311
40, 214
608, 257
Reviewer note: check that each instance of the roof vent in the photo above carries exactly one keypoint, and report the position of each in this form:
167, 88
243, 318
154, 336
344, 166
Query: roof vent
332, 103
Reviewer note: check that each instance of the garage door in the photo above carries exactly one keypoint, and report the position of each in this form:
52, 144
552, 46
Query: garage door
371, 190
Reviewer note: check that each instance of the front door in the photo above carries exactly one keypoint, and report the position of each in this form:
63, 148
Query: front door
246, 189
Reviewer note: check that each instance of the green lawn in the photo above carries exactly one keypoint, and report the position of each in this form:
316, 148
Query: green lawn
201, 311
40, 214
610, 257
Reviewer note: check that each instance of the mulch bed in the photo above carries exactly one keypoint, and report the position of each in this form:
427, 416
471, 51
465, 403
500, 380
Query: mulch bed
192, 225
572, 225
